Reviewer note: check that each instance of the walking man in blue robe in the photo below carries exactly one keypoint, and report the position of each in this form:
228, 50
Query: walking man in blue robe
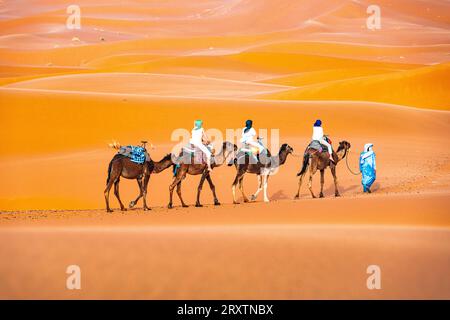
368, 167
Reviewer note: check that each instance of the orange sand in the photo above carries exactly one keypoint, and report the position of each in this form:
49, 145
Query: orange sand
141, 70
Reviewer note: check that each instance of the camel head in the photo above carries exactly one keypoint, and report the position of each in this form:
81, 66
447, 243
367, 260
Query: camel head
286, 148
229, 146
228, 149
343, 148
343, 145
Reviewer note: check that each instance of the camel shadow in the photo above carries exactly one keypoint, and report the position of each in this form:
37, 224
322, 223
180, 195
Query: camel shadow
342, 189
376, 187
279, 195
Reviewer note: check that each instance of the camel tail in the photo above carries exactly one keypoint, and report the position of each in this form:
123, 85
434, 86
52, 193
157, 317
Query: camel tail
305, 164
109, 171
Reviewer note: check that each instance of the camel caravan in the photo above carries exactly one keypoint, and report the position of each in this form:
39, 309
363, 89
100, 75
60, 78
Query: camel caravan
198, 157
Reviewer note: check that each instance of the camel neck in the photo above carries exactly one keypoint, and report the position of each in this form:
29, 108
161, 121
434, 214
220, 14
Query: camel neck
219, 158
341, 154
162, 165
282, 155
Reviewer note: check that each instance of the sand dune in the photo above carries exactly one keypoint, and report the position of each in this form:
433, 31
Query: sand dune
150, 84
412, 53
425, 87
141, 69
81, 125
225, 262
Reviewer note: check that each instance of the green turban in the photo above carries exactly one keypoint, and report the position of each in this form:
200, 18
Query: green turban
198, 124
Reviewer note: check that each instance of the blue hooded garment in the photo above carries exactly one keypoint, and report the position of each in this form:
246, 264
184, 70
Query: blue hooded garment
368, 166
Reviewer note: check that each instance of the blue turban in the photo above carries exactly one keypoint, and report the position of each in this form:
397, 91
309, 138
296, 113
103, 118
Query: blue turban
248, 125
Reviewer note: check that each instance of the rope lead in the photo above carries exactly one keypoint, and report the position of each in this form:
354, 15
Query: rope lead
346, 162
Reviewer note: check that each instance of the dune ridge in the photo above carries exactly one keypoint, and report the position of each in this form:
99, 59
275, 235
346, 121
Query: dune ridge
137, 70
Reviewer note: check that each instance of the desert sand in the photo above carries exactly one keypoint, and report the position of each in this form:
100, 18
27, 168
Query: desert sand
141, 70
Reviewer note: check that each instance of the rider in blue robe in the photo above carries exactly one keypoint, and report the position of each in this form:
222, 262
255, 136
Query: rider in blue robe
368, 167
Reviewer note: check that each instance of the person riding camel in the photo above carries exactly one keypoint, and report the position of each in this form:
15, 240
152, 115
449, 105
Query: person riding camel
319, 136
200, 140
249, 136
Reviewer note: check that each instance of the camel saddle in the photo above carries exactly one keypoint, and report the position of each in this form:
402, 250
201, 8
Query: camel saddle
194, 153
136, 154
316, 145
250, 151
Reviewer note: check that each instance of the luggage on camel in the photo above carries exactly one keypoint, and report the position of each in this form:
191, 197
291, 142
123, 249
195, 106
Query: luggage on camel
136, 154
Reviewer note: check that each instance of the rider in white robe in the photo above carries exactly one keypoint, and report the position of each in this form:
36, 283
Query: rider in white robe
199, 139
249, 136
319, 136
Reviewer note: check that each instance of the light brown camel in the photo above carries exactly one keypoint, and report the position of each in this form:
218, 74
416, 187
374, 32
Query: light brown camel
316, 160
122, 166
263, 167
186, 165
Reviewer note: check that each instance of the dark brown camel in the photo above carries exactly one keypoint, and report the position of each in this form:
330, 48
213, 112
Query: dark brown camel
316, 160
187, 166
265, 166
122, 166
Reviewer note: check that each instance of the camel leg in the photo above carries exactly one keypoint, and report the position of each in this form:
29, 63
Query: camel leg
265, 180
300, 180
172, 186
322, 181
181, 173
311, 173
116, 193
141, 193
199, 189
241, 187
239, 174
213, 189
115, 174
106, 193
260, 186
184, 205
144, 191
336, 191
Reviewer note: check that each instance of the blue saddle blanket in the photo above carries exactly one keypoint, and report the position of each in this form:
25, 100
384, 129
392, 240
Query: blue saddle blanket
135, 153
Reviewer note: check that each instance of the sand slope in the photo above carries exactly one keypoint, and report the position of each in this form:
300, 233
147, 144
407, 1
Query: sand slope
141, 69
425, 86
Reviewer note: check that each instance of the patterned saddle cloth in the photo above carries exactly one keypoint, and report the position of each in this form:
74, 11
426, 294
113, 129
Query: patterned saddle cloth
135, 153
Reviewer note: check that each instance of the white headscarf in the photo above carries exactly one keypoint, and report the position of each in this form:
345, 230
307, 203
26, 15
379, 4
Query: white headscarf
368, 147
367, 151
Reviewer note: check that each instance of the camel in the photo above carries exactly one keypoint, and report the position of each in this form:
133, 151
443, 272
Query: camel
189, 167
263, 167
316, 160
122, 166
